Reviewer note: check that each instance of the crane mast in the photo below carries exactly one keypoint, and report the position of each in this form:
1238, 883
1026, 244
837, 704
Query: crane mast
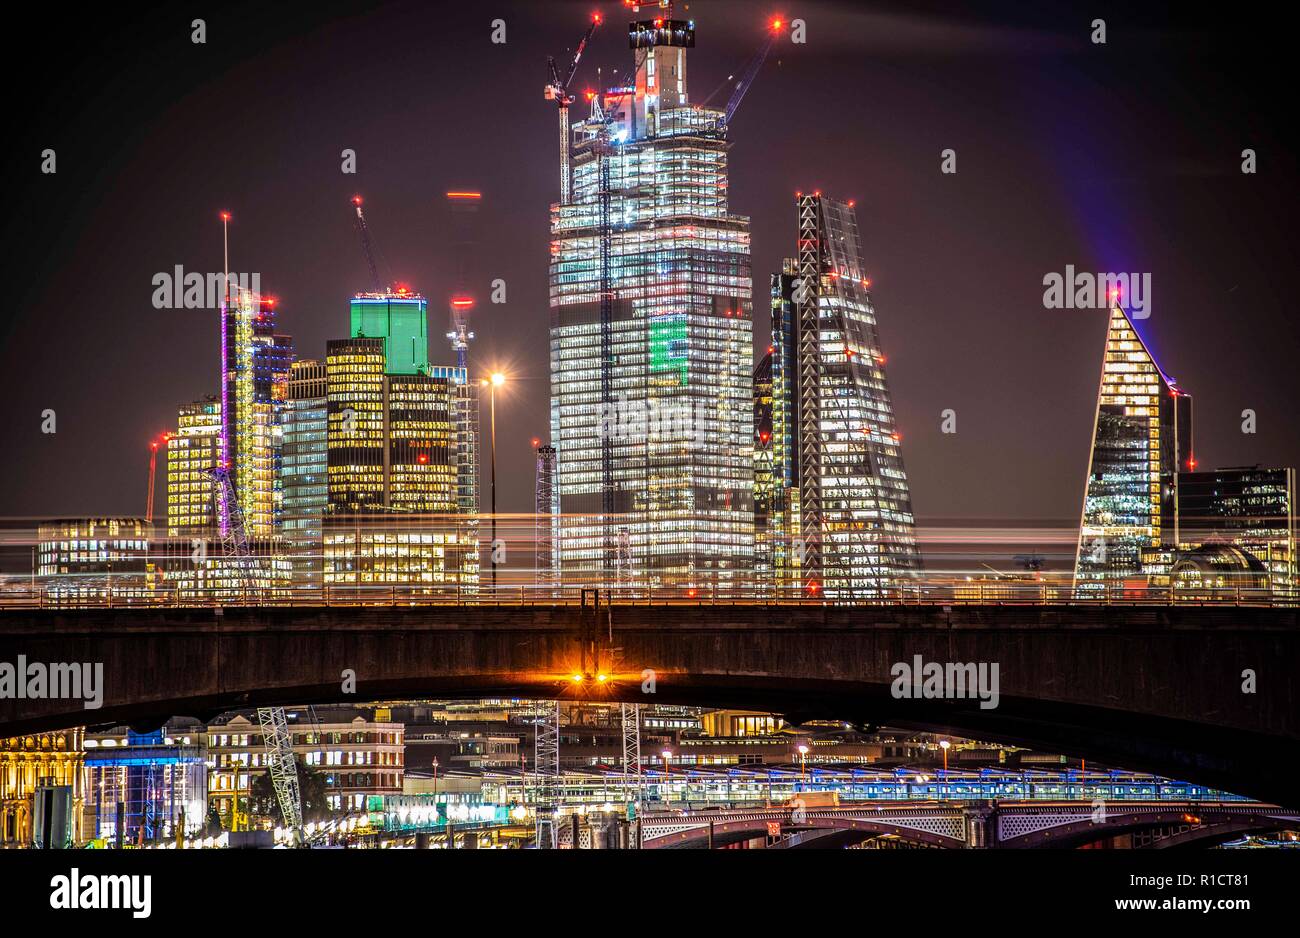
367, 246
275, 726
557, 90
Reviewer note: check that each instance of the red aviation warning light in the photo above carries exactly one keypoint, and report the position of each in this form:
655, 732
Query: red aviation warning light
462, 302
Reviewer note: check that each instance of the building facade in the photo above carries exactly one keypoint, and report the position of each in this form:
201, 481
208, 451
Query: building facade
28, 762
1247, 507
255, 363
88, 557
652, 337
840, 505
305, 467
1142, 436
192, 453
358, 758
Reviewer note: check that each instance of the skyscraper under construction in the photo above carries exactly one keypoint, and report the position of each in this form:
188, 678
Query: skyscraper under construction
255, 364
838, 517
651, 337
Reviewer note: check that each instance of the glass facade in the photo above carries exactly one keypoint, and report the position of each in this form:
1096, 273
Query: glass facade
651, 340
391, 438
305, 465
1141, 435
402, 321
1248, 507
842, 510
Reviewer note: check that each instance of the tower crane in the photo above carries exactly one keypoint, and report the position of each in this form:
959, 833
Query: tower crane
275, 726
557, 90
367, 246
161, 440
751, 72
463, 206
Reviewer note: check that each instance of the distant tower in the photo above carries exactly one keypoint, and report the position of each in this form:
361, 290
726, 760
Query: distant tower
548, 574
1141, 437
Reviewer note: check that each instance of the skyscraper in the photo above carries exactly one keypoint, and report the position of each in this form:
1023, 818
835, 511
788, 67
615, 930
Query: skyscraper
398, 451
1141, 437
841, 507
254, 386
305, 467
401, 319
764, 485
391, 438
192, 453
652, 337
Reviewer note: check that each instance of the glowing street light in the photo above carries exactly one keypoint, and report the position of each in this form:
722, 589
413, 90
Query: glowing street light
803, 762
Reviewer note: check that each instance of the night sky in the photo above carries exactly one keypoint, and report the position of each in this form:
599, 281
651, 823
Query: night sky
1116, 157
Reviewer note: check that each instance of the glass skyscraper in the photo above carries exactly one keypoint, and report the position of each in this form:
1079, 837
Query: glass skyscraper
652, 338
400, 456
840, 515
1142, 436
305, 465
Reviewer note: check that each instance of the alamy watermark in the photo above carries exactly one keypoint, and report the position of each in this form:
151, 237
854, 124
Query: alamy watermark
1085, 290
662, 421
55, 681
951, 680
176, 289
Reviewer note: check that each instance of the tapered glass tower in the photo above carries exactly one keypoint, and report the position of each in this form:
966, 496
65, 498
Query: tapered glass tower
841, 512
652, 338
1141, 437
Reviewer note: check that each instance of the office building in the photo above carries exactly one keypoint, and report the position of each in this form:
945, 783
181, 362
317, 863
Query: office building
652, 337
305, 469
1142, 437
192, 453
1249, 507
840, 512
88, 557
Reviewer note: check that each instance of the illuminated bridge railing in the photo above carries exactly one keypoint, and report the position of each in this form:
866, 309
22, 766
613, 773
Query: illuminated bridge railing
713, 788
938, 591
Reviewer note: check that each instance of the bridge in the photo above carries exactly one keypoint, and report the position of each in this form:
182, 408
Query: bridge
989, 825
1204, 693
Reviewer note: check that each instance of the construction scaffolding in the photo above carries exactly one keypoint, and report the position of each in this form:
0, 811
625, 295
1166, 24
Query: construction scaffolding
546, 766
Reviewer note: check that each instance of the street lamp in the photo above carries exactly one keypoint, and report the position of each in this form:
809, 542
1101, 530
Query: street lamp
495, 381
667, 755
944, 745
803, 762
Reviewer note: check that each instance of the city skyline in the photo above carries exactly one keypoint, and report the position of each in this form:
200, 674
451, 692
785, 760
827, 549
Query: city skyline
735, 475
921, 339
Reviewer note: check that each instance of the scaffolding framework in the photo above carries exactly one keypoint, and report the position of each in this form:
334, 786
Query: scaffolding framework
546, 763
284, 771
631, 718
547, 574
